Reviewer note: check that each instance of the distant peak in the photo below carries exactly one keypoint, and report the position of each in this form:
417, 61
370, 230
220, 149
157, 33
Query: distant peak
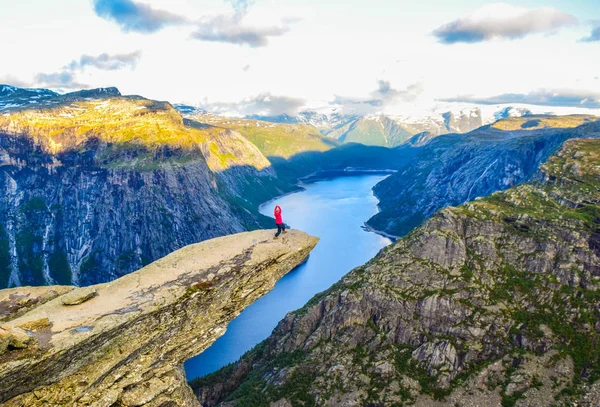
98, 92
7, 89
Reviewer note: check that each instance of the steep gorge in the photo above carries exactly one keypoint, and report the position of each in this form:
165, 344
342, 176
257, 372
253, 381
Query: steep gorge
491, 303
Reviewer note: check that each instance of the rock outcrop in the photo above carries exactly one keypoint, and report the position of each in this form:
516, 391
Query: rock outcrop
495, 302
123, 343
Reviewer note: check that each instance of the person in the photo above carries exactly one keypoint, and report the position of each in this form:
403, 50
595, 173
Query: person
279, 221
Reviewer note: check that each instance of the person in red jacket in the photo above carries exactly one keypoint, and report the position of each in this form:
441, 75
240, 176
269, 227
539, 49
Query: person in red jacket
278, 221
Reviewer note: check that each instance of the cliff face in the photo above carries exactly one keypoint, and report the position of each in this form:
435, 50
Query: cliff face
493, 302
123, 343
453, 169
95, 185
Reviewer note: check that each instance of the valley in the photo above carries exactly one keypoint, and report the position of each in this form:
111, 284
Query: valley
334, 209
300, 203
494, 302
497, 228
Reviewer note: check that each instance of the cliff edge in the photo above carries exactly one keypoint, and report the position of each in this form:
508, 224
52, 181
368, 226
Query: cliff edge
123, 343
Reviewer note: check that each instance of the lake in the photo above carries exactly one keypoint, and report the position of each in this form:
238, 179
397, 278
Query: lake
333, 210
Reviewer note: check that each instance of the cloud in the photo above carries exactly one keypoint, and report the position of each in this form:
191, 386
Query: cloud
501, 20
378, 99
66, 79
387, 94
542, 97
137, 17
106, 62
14, 81
230, 29
594, 36
142, 18
58, 80
264, 104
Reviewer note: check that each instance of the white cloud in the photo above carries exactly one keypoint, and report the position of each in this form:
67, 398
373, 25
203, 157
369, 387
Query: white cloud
264, 104
323, 55
501, 20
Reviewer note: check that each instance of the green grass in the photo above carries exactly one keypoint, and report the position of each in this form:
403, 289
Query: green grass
542, 121
277, 140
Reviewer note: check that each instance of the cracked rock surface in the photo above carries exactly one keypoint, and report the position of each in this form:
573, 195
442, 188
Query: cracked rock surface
123, 343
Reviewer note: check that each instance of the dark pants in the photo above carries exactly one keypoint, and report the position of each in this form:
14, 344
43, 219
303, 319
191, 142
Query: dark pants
280, 228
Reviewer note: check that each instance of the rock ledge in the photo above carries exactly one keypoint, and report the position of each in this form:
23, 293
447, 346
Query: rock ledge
125, 345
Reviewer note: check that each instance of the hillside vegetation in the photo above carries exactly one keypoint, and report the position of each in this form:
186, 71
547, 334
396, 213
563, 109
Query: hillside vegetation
491, 303
536, 122
274, 139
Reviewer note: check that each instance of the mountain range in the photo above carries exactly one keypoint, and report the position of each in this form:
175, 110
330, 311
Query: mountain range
487, 297
392, 131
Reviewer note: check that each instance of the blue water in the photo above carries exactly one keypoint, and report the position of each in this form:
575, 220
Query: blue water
333, 210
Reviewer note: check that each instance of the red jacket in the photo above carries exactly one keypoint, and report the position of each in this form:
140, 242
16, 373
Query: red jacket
277, 213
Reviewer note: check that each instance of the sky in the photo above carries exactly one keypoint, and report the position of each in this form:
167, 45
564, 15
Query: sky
270, 57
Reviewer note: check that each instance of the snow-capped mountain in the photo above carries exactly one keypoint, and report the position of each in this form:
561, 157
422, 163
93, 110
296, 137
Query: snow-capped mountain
384, 130
12, 97
393, 130
190, 110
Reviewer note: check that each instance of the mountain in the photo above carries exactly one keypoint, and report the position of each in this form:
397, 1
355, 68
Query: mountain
123, 343
12, 97
299, 150
190, 110
494, 302
94, 185
392, 131
455, 168
274, 139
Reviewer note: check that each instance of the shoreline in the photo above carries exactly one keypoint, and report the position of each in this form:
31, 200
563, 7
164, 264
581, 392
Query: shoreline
329, 174
368, 228
346, 172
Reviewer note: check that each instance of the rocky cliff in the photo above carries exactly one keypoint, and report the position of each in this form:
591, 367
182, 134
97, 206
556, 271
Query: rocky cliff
453, 169
94, 185
495, 302
123, 343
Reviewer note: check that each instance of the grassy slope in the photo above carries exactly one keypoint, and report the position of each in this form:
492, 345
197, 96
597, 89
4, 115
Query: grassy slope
542, 121
273, 139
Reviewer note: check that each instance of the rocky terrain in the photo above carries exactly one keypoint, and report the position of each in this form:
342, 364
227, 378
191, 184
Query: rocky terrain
123, 343
95, 185
495, 302
455, 168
